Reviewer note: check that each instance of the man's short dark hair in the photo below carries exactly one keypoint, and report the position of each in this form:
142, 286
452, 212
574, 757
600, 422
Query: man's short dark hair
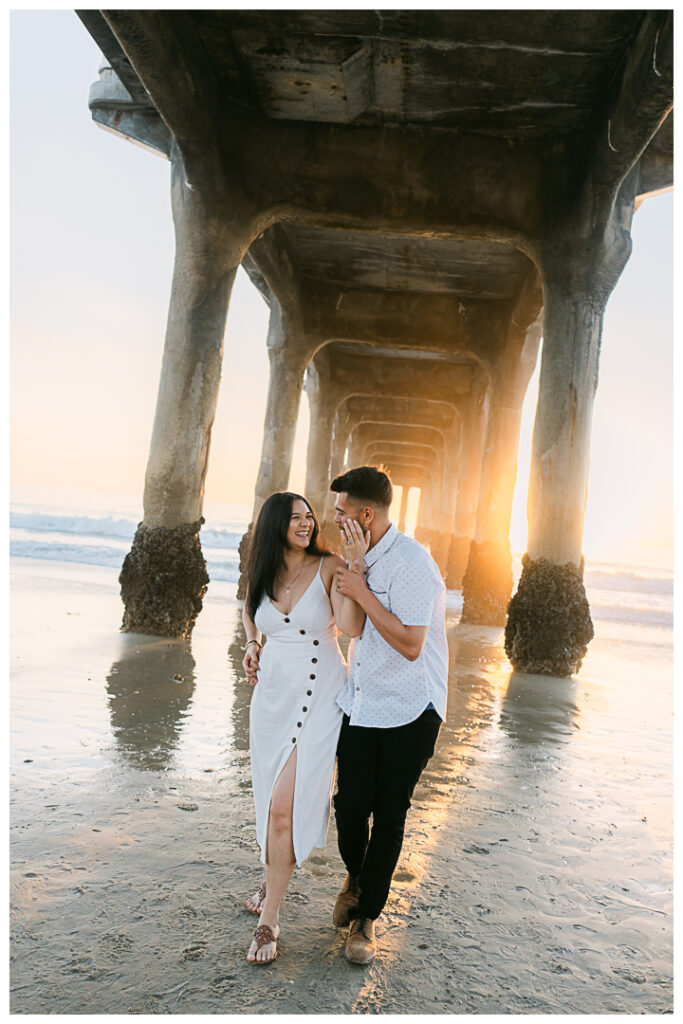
365, 484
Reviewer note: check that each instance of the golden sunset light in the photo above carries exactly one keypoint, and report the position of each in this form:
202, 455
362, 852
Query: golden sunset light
341, 391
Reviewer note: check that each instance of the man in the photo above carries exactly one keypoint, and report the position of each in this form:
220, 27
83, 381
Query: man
393, 703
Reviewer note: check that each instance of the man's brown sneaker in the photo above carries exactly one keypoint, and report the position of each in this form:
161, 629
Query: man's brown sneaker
347, 898
360, 944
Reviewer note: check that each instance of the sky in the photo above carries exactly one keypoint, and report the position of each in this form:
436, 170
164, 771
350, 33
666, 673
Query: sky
91, 263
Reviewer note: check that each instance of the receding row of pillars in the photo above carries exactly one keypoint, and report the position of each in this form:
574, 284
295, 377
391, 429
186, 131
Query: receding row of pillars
459, 447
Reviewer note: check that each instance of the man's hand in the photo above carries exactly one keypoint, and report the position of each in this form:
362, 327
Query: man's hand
350, 583
250, 663
354, 542
407, 640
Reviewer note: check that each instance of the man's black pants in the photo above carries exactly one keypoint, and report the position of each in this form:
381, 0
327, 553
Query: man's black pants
377, 771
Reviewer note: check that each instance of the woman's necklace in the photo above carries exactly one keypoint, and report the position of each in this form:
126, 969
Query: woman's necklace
289, 588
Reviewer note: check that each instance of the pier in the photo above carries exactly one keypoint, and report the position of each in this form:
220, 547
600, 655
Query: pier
420, 197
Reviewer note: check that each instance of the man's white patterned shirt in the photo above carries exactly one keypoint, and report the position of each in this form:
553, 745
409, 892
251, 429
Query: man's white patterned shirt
383, 688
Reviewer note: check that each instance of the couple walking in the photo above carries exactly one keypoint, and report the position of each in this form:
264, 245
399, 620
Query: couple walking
380, 718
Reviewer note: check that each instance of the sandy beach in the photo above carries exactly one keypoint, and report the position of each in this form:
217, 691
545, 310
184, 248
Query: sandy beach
535, 878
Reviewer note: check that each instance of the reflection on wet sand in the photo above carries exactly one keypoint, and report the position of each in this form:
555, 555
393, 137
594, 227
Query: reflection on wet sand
504, 834
242, 691
535, 877
476, 682
539, 709
150, 691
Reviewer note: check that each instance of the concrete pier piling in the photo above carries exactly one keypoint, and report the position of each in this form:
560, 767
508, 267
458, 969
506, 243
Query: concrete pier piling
487, 584
163, 578
328, 172
322, 409
475, 417
549, 626
288, 358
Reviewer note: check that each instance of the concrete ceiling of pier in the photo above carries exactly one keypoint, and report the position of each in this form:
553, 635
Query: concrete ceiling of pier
513, 79
509, 73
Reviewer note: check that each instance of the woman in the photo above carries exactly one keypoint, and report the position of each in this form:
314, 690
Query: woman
294, 717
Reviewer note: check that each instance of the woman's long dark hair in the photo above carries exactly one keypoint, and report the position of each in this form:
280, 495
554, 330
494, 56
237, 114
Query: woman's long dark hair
268, 542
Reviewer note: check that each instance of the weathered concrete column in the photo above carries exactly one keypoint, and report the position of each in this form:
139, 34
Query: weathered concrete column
405, 489
549, 625
452, 456
441, 540
287, 354
323, 406
469, 477
438, 548
355, 454
164, 578
425, 529
487, 584
340, 437
443, 516
421, 528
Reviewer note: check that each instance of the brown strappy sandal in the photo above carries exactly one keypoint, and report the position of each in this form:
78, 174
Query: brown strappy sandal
262, 937
261, 893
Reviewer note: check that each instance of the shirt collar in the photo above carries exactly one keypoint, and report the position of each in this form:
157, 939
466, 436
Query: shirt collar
382, 546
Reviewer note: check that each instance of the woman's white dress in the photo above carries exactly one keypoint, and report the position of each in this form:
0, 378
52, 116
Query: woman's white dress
294, 708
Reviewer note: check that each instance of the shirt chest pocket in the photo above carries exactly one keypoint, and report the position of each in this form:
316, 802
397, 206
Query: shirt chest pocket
381, 594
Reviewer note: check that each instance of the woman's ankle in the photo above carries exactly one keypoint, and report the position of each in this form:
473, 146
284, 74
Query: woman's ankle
269, 916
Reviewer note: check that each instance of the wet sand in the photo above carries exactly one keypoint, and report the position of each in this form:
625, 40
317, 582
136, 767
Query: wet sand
535, 878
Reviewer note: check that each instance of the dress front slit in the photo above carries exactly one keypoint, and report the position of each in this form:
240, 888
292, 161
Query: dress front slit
291, 754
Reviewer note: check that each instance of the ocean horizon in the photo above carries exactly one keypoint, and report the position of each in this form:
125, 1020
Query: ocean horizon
97, 528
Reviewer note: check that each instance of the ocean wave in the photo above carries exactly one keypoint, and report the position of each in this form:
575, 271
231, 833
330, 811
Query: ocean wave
118, 527
89, 554
645, 615
221, 538
100, 526
618, 594
226, 568
628, 580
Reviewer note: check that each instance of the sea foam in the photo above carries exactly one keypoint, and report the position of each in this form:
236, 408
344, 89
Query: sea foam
626, 594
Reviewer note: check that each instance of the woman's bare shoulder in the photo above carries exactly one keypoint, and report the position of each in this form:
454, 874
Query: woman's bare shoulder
330, 563
333, 560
